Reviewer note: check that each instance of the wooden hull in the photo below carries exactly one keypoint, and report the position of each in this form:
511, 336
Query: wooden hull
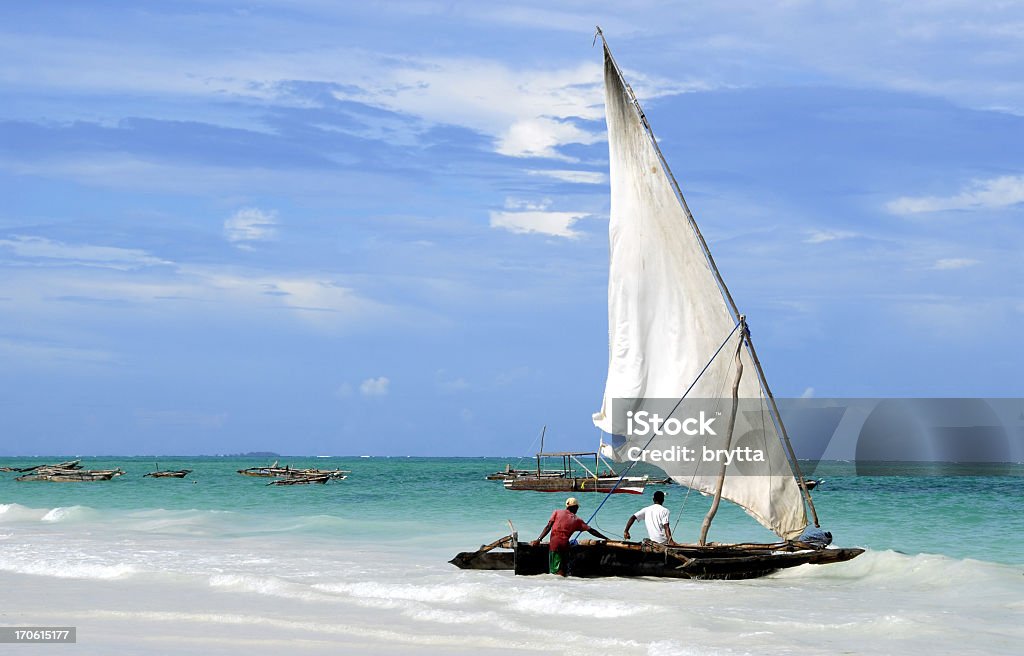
511, 473
599, 559
629, 485
287, 472
71, 476
308, 480
181, 473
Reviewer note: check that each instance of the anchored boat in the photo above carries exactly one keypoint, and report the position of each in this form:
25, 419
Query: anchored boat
675, 336
580, 471
286, 472
58, 475
168, 473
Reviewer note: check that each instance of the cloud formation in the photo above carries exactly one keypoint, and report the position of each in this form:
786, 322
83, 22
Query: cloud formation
375, 386
575, 177
994, 193
949, 263
555, 224
250, 224
822, 236
43, 250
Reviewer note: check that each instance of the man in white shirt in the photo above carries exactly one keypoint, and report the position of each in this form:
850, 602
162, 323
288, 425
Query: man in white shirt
655, 516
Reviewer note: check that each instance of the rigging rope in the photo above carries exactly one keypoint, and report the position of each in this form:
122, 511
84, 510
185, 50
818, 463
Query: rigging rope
674, 408
696, 465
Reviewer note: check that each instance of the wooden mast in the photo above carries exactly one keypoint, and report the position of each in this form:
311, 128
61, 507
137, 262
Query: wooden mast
706, 524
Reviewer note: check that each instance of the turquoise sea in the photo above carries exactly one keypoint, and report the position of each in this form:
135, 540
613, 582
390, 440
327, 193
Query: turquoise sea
218, 560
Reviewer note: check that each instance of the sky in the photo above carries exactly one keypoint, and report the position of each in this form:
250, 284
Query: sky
318, 227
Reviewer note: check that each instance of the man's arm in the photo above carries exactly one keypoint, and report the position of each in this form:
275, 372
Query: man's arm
625, 533
668, 533
597, 533
543, 533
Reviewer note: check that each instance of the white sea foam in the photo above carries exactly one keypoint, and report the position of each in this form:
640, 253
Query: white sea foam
69, 514
66, 570
553, 602
14, 512
402, 591
265, 585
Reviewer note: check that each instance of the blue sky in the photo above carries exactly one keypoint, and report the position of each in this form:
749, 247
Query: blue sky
347, 228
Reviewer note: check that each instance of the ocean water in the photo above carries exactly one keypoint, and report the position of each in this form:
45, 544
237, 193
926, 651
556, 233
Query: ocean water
217, 563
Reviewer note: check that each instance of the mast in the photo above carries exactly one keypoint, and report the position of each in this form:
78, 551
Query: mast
723, 288
706, 524
543, 430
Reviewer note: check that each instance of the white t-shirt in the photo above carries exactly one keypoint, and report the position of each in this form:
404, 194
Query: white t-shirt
655, 516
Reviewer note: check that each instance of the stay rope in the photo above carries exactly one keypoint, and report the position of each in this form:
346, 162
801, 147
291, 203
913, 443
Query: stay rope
674, 408
696, 466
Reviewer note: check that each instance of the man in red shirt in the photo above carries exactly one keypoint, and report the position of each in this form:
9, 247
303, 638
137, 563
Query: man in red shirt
563, 524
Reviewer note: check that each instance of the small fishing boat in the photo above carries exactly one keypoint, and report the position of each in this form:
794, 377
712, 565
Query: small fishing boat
169, 473
274, 471
70, 464
264, 472
320, 479
575, 475
71, 475
508, 473
598, 558
675, 335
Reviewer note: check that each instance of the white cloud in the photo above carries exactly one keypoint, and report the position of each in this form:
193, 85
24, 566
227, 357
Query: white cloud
375, 386
513, 203
448, 385
528, 112
538, 137
118, 278
577, 177
38, 354
556, 224
512, 375
822, 236
44, 250
954, 263
250, 224
980, 194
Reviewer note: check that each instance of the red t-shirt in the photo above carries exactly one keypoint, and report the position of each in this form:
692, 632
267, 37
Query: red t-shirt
563, 525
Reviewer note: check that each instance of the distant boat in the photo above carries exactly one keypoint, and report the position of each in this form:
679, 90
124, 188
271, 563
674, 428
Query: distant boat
676, 333
307, 480
508, 473
575, 475
71, 475
70, 464
169, 473
569, 471
287, 472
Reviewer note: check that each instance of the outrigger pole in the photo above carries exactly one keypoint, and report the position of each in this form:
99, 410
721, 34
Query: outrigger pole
723, 288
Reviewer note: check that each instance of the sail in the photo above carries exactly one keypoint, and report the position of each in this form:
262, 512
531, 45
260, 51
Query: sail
667, 317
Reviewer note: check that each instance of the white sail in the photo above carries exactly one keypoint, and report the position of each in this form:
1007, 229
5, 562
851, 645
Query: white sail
667, 317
